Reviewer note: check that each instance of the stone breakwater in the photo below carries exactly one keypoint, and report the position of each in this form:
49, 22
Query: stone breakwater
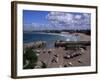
72, 43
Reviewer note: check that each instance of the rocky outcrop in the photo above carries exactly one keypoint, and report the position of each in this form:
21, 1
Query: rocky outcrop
35, 45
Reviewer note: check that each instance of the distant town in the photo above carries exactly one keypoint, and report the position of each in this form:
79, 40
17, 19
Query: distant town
87, 31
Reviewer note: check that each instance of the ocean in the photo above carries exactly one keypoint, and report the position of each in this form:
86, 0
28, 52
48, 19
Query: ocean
49, 38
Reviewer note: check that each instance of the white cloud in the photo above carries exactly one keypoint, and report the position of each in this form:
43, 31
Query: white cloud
60, 16
69, 20
78, 17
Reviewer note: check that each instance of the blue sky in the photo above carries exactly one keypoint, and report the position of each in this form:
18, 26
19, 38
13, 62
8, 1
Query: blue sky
44, 20
34, 16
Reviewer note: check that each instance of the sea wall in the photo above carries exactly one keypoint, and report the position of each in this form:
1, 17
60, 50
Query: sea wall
72, 43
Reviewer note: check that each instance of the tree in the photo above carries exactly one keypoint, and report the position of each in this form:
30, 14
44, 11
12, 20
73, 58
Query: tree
31, 56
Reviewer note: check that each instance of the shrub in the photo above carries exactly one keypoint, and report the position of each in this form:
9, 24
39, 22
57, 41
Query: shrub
31, 56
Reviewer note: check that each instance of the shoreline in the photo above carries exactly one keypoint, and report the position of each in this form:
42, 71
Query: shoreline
59, 34
83, 37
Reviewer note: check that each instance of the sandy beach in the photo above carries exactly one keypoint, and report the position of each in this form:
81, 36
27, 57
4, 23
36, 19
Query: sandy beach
83, 37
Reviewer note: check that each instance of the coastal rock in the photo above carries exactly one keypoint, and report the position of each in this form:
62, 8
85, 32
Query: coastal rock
34, 45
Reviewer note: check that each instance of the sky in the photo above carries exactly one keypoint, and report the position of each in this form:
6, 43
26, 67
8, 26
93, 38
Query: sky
54, 20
